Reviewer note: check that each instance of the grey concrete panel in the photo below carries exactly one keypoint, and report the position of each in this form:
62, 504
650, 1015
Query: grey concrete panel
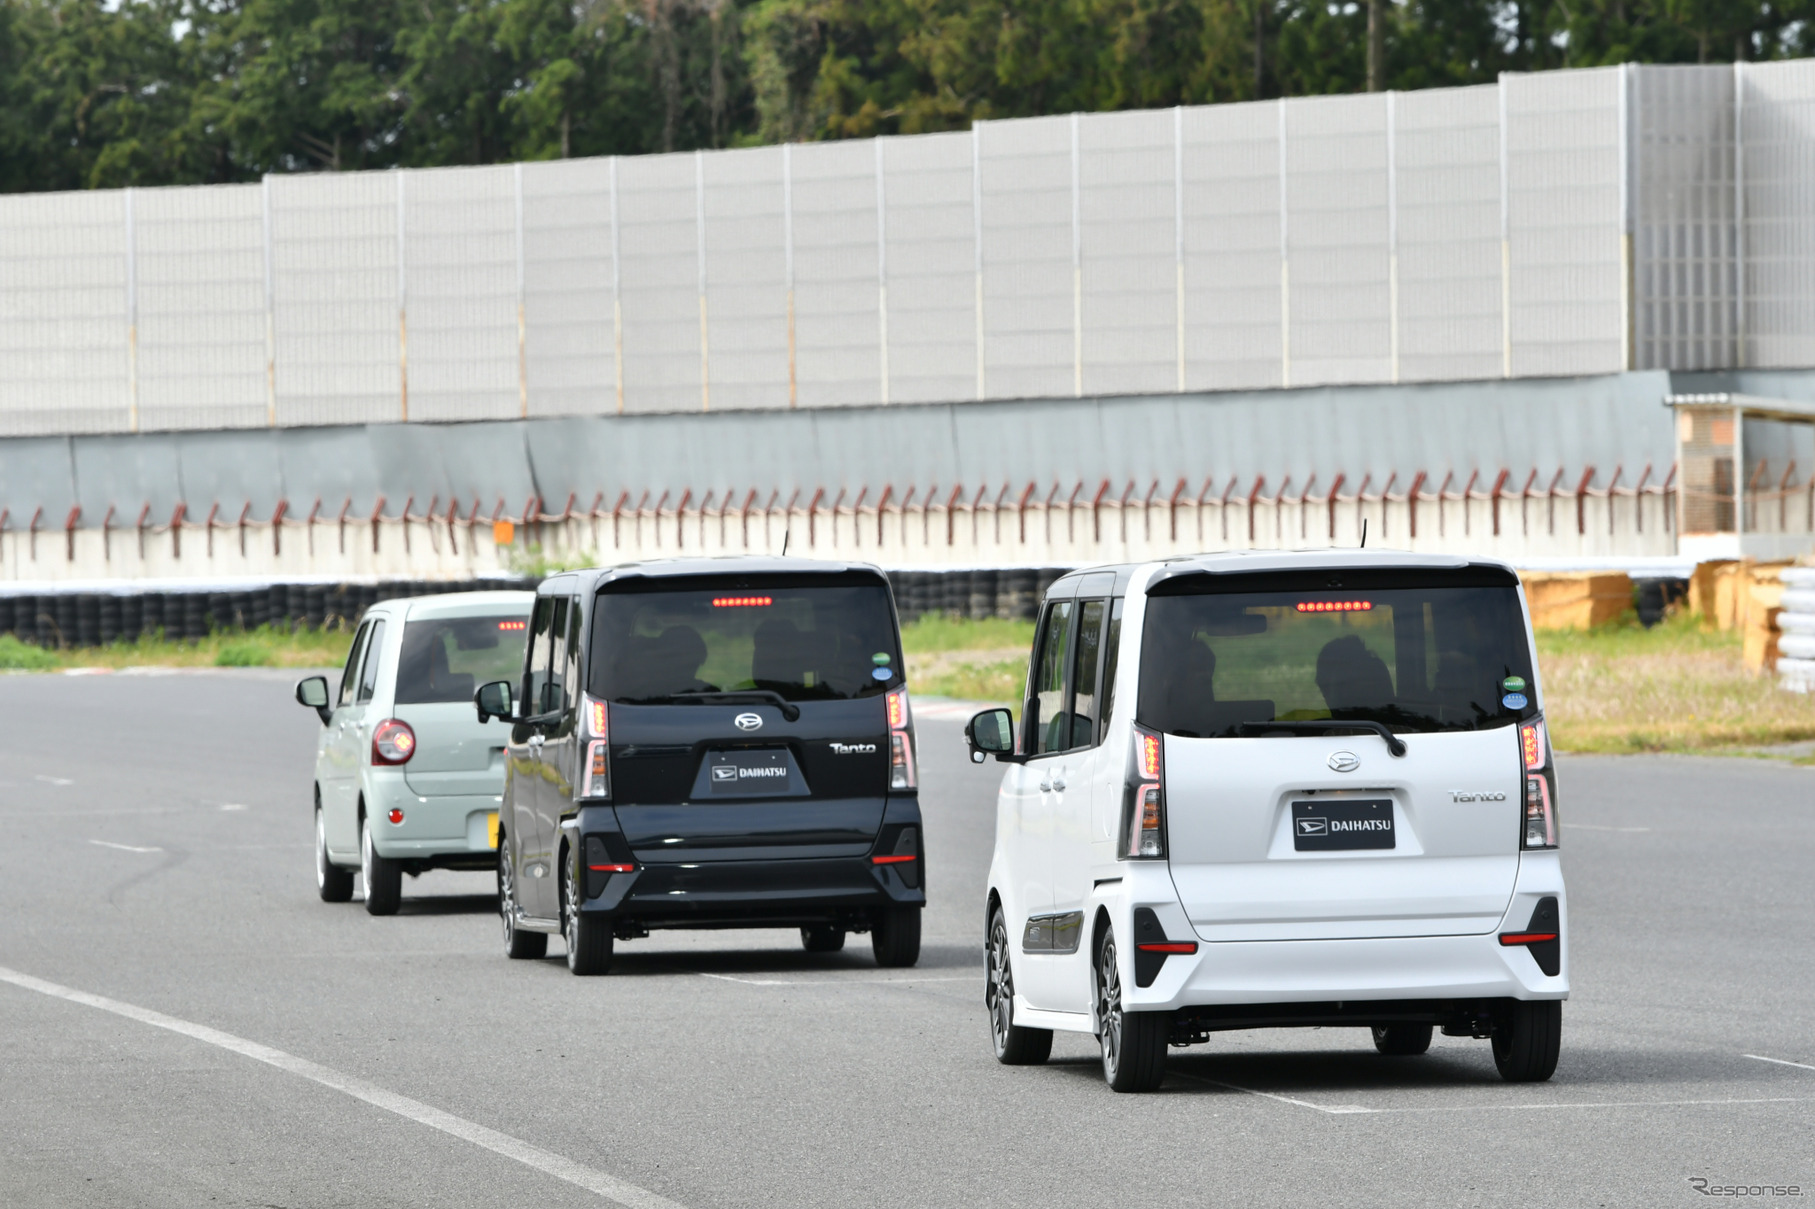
36, 472
127, 473
233, 470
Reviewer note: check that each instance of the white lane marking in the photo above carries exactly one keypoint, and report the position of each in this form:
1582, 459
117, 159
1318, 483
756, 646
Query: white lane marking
1595, 827
1779, 1061
53, 780
1601, 1104
234, 806
837, 982
123, 847
607, 1186
1333, 1110
88, 671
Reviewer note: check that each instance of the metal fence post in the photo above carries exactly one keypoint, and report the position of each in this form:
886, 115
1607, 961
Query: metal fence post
699, 224
1077, 270
787, 228
1285, 263
1392, 231
977, 239
270, 308
1178, 233
1505, 240
617, 293
403, 326
522, 342
882, 277
132, 317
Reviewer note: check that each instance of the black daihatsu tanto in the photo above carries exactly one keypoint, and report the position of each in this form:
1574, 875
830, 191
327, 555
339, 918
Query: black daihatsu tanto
710, 743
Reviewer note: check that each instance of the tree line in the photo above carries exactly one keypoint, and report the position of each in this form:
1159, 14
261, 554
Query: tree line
106, 93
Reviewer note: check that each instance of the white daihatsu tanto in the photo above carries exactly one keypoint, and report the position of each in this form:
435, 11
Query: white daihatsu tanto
1275, 789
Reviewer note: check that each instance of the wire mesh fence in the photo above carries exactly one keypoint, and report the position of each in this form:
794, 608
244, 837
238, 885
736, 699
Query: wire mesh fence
1562, 223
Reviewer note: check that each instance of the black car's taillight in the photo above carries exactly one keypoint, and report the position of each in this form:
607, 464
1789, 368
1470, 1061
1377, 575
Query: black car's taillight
902, 771
1540, 819
595, 779
1144, 799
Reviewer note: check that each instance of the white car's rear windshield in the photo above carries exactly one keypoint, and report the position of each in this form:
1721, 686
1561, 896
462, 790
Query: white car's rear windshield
446, 658
1415, 651
817, 638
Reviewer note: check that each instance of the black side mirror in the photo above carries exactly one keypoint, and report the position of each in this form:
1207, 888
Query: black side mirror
991, 733
493, 701
313, 692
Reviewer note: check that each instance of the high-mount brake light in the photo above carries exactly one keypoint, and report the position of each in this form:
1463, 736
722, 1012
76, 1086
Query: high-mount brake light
1144, 799
513, 626
742, 602
596, 773
393, 742
1335, 606
1540, 820
903, 772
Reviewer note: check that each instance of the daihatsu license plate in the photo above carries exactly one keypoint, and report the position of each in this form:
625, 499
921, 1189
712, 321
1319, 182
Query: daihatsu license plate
1336, 824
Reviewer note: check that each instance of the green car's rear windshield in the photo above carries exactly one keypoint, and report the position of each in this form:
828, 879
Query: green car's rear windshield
446, 658
1415, 651
818, 638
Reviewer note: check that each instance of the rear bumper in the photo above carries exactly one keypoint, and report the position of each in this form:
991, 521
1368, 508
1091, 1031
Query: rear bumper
448, 829
1468, 967
755, 894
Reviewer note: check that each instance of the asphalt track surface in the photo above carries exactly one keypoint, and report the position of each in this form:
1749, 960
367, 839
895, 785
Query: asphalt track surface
183, 1023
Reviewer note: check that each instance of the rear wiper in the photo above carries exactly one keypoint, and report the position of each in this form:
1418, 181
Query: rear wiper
1323, 726
789, 710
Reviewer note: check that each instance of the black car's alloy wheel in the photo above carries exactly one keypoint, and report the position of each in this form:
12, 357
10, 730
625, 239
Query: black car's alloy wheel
517, 942
1015, 1046
588, 934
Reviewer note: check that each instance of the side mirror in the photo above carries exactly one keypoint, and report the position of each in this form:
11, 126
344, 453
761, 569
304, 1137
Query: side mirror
991, 733
313, 692
493, 701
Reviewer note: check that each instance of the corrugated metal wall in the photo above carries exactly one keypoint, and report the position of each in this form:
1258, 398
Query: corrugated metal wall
1575, 222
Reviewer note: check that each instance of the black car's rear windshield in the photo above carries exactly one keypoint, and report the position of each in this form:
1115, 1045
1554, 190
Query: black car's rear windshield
1416, 651
445, 658
817, 638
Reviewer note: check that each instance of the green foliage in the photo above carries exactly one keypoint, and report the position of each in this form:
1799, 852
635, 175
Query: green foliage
146, 92
22, 656
935, 632
534, 562
244, 654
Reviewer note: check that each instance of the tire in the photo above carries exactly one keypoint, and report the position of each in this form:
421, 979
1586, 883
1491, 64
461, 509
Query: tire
334, 884
383, 876
896, 937
518, 944
822, 938
1134, 1043
1527, 1040
1015, 1046
588, 933
1402, 1040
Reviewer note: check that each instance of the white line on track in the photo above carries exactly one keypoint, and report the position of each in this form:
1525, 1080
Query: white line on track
610, 1187
123, 847
1778, 1061
53, 780
1333, 1110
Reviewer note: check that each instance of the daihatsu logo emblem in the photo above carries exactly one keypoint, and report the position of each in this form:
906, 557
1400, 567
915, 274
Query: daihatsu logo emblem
1345, 761
749, 721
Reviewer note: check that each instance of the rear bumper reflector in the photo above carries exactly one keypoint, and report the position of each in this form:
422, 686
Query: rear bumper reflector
612, 868
892, 860
1170, 946
1526, 938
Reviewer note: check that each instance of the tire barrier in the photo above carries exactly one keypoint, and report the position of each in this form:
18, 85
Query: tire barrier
85, 619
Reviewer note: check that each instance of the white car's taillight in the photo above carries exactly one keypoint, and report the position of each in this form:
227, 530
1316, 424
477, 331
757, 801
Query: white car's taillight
902, 771
1144, 799
393, 742
1540, 829
596, 779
